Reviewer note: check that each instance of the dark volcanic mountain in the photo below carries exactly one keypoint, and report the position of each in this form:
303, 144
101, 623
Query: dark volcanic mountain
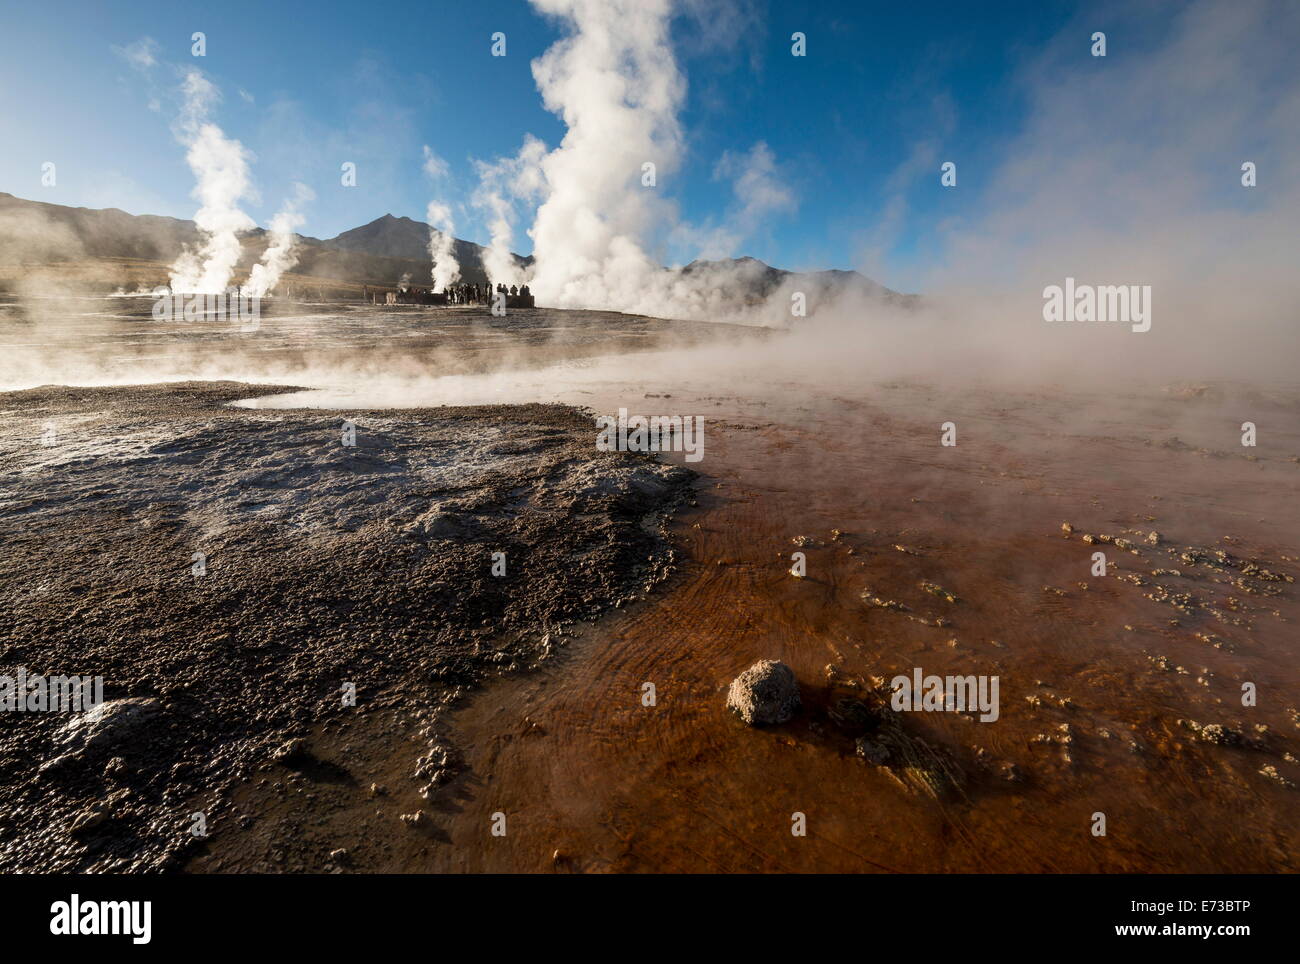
390, 237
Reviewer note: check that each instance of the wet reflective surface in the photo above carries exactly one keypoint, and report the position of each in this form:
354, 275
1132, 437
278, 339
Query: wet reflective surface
1106, 682
1095, 675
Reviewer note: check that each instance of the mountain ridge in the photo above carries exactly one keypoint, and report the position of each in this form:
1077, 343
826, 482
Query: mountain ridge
386, 251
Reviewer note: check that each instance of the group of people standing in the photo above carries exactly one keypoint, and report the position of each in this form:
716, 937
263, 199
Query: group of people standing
476, 294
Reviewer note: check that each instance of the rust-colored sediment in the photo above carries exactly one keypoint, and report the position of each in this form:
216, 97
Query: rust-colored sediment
590, 779
683, 786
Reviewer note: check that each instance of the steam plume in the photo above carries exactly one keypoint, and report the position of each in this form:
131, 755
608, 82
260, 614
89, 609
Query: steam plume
598, 234
500, 184
446, 269
281, 254
220, 167
614, 82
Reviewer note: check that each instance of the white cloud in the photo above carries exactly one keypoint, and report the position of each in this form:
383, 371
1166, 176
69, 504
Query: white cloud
141, 55
434, 165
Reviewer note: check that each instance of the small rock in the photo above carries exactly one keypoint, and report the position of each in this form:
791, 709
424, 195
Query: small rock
765, 693
1270, 771
286, 751
1215, 733
872, 752
88, 819
110, 723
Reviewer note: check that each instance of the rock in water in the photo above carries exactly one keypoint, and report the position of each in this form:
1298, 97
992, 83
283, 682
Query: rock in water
767, 692
877, 754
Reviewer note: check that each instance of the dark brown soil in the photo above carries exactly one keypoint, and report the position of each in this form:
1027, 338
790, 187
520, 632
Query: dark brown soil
325, 565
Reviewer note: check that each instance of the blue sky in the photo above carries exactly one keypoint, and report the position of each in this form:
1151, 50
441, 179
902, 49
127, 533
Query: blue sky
857, 128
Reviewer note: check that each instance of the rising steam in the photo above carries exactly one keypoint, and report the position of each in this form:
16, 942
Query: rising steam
281, 254
500, 184
602, 221
446, 269
614, 82
220, 167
